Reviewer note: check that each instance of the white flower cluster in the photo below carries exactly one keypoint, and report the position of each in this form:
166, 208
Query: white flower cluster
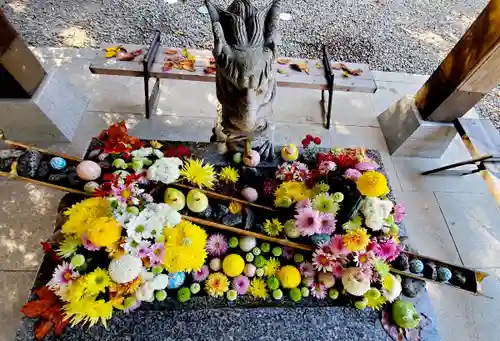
143, 153
151, 283
125, 269
165, 169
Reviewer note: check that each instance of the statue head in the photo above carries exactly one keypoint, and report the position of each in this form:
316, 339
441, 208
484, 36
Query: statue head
244, 49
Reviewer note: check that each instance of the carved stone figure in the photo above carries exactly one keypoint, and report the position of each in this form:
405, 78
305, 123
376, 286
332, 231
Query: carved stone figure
244, 50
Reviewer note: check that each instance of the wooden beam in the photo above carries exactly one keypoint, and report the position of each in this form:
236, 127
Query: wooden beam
470, 70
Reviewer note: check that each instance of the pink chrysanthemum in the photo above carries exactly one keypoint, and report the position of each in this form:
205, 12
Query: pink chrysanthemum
307, 269
62, 276
385, 249
156, 254
399, 212
326, 166
366, 166
216, 245
241, 284
201, 275
305, 203
318, 291
87, 244
288, 252
123, 193
143, 249
322, 261
352, 174
337, 269
308, 222
133, 307
337, 246
327, 223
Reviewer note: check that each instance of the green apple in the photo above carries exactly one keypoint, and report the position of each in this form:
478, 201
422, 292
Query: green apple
175, 198
197, 201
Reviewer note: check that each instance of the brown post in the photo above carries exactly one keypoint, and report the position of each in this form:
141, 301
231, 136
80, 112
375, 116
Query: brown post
468, 72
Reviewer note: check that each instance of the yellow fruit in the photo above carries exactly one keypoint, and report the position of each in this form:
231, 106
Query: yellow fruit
233, 265
289, 277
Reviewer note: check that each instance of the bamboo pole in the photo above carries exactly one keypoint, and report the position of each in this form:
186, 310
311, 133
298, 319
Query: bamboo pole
283, 242
225, 197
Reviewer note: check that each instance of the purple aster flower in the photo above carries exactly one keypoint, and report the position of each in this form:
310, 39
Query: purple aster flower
216, 245
156, 254
327, 223
201, 275
241, 284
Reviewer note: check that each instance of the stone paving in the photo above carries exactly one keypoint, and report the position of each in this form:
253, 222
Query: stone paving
450, 218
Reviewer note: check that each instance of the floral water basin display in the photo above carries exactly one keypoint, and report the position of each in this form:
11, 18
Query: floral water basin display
173, 226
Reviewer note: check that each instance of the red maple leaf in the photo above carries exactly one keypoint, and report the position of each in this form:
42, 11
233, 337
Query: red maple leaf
42, 328
36, 308
45, 294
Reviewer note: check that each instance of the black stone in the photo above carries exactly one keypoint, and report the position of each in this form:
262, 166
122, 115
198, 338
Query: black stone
412, 287
44, 170
249, 219
402, 262
220, 211
430, 271
70, 169
56, 177
232, 219
93, 154
104, 165
206, 213
74, 180
5, 164
28, 163
458, 278
259, 228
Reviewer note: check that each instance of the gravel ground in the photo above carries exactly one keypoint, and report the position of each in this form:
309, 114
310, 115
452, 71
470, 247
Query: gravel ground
402, 35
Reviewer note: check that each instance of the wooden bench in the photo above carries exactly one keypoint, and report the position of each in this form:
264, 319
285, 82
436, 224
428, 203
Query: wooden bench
151, 62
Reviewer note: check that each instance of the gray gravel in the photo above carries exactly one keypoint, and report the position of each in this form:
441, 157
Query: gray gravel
401, 35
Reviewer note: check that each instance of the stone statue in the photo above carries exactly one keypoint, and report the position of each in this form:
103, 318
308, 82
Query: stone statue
244, 50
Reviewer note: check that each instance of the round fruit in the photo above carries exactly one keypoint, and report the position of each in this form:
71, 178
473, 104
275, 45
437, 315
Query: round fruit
277, 294
361, 304
273, 283
157, 269
77, 260
195, 288
295, 294
283, 202
160, 295
333, 293
405, 315
291, 230
215, 264
133, 210
249, 270
247, 243
232, 295
233, 242
233, 265
175, 198
298, 258
289, 277
120, 164
305, 291
196, 201
183, 295
237, 157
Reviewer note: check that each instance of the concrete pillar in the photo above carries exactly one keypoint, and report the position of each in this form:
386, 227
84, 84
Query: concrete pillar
35, 106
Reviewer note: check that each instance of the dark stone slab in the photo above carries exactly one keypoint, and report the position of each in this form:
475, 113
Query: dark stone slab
207, 318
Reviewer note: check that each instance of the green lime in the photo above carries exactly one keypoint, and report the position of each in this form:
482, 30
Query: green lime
305, 291
129, 301
273, 283
333, 293
160, 295
183, 295
277, 251
78, 260
361, 304
233, 242
133, 210
195, 288
277, 294
295, 294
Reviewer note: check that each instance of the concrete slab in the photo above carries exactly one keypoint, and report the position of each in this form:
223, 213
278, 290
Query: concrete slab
464, 317
473, 222
427, 229
14, 291
27, 217
401, 77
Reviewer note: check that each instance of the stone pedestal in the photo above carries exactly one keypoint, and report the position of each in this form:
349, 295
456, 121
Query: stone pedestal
52, 114
407, 134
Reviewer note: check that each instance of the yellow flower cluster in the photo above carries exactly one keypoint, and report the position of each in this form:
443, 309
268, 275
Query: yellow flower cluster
217, 284
356, 239
229, 175
258, 288
294, 190
372, 184
184, 247
197, 174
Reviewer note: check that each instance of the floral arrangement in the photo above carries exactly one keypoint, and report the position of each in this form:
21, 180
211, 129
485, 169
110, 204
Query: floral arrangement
125, 247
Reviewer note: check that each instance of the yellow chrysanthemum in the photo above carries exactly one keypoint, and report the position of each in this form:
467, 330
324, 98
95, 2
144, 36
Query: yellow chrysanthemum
185, 247
217, 284
229, 174
235, 207
88, 310
198, 174
273, 227
82, 214
155, 144
272, 266
96, 281
115, 250
375, 299
295, 190
68, 246
356, 239
372, 184
104, 232
75, 291
258, 288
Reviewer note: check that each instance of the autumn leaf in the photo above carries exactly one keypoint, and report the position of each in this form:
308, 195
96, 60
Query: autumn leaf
345, 74
112, 51
345, 68
302, 67
42, 328
185, 53
45, 294
283, 72
318, 66
187, 65
167, 66
171, 51
36, 308
60, 326
283, 61
210, 70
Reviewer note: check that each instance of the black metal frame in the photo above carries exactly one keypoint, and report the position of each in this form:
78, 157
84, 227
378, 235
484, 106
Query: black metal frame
329, 81
151, 102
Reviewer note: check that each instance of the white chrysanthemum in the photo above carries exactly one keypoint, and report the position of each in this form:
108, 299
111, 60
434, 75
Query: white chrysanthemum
125, 269
165, 170
142, 152
160, 282
355, 282
145, 292
139, 227
391, 288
